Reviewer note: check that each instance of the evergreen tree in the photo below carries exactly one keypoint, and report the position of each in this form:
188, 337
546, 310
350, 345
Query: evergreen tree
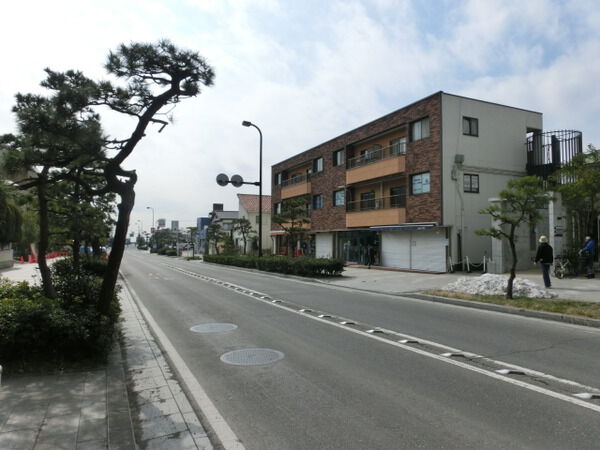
520, 203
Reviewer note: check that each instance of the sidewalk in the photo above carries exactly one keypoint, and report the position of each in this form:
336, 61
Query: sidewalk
132, 402
396, 282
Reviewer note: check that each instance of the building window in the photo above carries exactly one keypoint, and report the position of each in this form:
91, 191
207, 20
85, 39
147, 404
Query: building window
339, 197
339, 157
470, 126
471, 183
420, 183
398, 197
318, 165
278, 178
398, 146
277, 208
367, 200
317, 201
419, 129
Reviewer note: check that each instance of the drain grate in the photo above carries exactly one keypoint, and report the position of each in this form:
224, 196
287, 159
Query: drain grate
252, 357
213, 327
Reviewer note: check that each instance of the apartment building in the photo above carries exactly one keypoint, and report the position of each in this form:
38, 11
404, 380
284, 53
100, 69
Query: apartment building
405, 190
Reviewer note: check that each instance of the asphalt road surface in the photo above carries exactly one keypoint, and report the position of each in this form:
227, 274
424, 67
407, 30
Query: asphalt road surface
400, 373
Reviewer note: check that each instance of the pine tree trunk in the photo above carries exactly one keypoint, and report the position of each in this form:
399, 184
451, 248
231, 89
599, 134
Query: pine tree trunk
76, 255
118, 248
47, 285
513, 268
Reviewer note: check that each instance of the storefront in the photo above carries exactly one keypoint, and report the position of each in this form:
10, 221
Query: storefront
354, 247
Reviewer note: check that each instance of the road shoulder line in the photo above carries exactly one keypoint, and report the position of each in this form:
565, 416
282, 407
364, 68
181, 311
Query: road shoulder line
214, 419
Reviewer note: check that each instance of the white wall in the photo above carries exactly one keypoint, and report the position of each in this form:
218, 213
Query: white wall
267, 242
497, 155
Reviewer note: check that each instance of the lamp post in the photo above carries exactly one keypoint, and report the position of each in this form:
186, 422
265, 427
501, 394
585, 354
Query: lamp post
150, 242
246, 123
150, 207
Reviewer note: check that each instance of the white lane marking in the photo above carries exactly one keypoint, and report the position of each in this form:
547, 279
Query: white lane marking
228, 438
494, 375
325, 284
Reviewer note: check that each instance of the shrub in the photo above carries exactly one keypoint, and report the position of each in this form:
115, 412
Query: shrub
97, 266
36, 329
153, 250
162, 251
171, 252
303, 266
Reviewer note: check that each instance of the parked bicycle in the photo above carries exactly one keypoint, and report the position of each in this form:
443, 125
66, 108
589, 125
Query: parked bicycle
563, 267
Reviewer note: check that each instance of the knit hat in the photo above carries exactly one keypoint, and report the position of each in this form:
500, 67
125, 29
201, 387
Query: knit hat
543, 239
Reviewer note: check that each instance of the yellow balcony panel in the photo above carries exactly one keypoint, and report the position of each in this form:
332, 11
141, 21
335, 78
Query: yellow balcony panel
383, 168
376, 217
295, 190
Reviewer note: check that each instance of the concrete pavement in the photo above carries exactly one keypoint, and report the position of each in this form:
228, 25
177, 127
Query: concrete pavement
133, 401
397, 282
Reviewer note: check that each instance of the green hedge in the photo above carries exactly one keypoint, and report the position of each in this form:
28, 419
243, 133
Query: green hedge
302, 266
35, 330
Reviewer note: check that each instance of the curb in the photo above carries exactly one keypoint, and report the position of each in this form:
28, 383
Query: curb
574, 320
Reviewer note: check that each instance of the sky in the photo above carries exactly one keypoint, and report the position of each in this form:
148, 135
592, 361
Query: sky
305, 71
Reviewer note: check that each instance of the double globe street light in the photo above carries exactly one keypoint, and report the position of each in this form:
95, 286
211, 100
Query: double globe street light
238, 181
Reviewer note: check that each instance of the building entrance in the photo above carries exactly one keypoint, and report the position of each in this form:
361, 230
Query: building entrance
359, 247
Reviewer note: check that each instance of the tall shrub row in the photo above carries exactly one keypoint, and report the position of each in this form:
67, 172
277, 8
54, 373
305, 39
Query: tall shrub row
302, 266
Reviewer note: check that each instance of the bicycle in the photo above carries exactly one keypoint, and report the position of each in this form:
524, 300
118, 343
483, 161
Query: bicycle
562, 267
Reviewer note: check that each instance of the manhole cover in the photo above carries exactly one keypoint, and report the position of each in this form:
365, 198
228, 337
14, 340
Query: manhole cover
252, 357
213, 327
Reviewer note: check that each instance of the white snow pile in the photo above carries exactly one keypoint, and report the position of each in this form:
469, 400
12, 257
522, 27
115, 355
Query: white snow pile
490, 284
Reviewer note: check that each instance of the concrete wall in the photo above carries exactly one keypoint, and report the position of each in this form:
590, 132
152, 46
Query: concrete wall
497, 155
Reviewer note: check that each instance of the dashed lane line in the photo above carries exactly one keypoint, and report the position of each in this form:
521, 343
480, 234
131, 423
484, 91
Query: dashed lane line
314, 315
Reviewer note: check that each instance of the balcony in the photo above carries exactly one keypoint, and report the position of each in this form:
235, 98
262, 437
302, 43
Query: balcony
376, 212
295, 186
376, 163
547, 152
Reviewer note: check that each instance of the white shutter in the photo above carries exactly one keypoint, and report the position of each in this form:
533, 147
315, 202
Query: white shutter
324, 244
395, 249
428, 251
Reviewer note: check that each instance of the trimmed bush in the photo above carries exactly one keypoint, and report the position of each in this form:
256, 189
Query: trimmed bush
302, 266
36, 330
171, 252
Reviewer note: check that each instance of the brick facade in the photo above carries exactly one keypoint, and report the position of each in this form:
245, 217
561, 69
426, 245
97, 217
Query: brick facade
421, 156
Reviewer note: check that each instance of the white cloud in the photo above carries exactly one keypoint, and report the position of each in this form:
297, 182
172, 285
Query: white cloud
308, 72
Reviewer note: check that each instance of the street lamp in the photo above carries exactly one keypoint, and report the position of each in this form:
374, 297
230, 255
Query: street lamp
150, 207
245, 123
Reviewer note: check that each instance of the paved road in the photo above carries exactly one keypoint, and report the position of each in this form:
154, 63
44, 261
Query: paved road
339, 386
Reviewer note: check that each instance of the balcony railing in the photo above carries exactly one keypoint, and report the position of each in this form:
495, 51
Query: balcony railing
296, 179
547, 152
394, 201
373, 155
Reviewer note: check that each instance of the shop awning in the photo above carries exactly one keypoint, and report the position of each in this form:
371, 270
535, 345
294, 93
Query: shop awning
405, 227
